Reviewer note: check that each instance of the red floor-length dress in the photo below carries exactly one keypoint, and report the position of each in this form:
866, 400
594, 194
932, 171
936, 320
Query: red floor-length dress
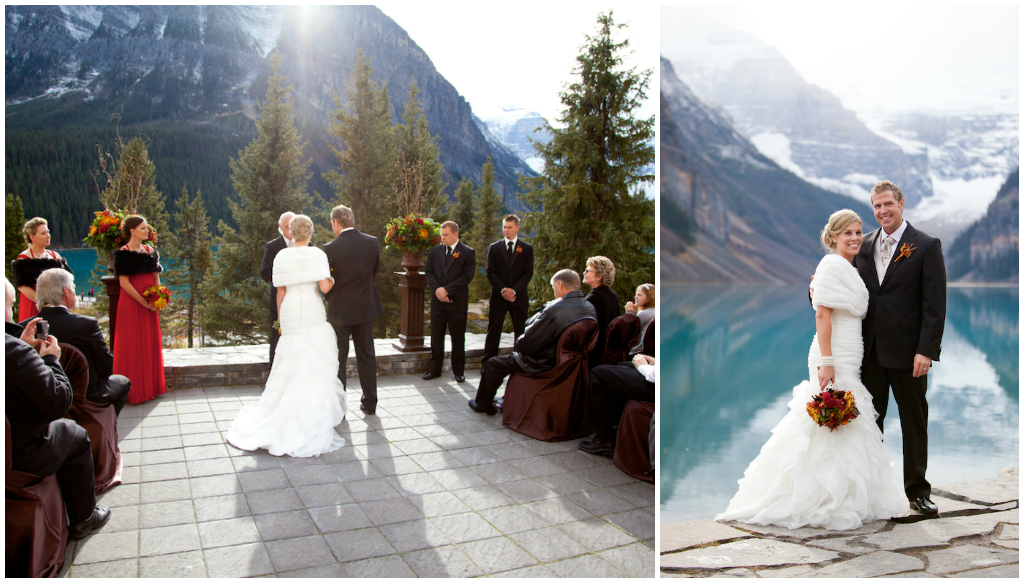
26, 307
138, 352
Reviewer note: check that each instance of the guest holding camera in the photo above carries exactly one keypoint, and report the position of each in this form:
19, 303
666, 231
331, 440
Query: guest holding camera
31, 262
138, 348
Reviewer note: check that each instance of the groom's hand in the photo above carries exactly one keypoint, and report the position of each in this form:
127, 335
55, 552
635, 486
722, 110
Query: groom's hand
921, 365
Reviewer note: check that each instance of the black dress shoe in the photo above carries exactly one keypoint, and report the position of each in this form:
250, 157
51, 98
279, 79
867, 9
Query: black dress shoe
924, 505
460, 378
367, 410
499, 403
430, 375
598, 446
100, 516
479, 409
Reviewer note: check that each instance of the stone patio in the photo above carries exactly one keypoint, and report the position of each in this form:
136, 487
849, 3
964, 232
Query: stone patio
426, 488
975, 535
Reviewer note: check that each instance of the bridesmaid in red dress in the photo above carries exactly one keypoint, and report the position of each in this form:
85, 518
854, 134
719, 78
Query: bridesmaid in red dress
32, 262
138, 351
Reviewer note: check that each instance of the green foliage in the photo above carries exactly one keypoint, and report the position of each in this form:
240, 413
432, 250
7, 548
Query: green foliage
270, 178
14, 241
130, 181
461, 211
420, 187
589, 200
486, 227
189, 251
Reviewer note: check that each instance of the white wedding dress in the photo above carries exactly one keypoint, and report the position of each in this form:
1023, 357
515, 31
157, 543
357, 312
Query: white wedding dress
808, 475
303, 400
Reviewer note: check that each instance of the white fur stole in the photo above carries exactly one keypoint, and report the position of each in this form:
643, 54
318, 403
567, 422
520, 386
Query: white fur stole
837, 285
297, 265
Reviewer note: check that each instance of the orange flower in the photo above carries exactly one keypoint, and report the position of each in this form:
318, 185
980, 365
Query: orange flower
905, 251
455, 255
424, 234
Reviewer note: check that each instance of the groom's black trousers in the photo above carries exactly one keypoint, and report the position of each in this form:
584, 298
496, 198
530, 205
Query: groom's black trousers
366, 360
909, 393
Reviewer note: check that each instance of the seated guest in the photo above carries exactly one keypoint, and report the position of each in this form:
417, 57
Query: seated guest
643, 307
37, 397
55, 296
11, 328
534, 351
599, 275
611, 385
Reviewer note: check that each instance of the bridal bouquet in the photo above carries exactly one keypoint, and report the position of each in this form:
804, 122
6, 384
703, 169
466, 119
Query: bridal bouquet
832, 408
158, 295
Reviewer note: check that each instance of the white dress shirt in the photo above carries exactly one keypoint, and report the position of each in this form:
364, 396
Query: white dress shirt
877, 250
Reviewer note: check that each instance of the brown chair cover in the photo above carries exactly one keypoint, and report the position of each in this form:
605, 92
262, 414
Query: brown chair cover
99, 421
623, 334
37, 532
632, 442
549, 406
650, 346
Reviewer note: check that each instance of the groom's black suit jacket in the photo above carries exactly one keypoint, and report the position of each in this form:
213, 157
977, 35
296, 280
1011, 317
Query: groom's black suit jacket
907, 312
514, 271
355, 260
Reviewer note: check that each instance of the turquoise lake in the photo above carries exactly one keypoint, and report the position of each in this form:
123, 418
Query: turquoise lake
737, 352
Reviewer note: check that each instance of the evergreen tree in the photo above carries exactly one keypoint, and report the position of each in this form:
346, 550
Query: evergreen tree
189, 247
131, 182
14, 241
270, 178
366, 155
589, 200
418, 161
461, 211
486, 226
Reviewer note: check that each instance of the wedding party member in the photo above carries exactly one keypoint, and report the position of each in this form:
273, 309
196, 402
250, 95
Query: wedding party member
353, 303
808, 474
599, 275
270, 251
55, 294
138, 346
611, 386
642, 307
905, 277
536, 350
449, 269
509, 269
37, 397
25, 269
303, 399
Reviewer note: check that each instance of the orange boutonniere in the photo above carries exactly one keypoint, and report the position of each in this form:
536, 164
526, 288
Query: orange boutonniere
905, 251
455, 255
519, 249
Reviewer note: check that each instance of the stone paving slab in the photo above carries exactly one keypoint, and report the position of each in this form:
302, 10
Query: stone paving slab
426, 488
967, 557
685, 535
873, 565
986, 492
747, 553
926, 533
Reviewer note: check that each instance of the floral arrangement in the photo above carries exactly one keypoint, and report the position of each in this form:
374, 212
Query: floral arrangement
158, 295
105, 232
832, 408
412, 233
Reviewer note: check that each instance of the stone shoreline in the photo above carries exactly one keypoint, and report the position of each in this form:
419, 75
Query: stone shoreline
975, 535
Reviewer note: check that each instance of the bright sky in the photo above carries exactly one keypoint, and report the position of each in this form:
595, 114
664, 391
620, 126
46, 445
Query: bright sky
938, 57
520, 54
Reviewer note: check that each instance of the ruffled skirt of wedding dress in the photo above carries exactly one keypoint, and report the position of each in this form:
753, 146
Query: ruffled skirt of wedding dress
807, 475
303, 400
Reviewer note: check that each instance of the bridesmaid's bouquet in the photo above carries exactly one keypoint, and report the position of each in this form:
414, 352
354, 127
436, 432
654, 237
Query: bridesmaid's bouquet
832, 408
158, 295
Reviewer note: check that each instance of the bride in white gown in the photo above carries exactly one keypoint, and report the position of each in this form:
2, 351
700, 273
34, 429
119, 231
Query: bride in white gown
303, 400
808, 475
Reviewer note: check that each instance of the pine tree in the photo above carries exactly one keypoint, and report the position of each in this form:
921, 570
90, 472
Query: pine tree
14, 241
416, 153
130, 182
366, 155
461, 211
270, 179
590, 199
189, 247
486, 226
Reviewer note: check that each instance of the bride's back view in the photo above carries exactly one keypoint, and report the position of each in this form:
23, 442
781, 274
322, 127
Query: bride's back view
303, 400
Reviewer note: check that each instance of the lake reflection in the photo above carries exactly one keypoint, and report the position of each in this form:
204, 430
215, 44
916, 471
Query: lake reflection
737, 353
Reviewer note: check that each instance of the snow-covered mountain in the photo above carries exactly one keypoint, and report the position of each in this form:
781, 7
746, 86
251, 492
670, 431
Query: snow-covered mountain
515, 127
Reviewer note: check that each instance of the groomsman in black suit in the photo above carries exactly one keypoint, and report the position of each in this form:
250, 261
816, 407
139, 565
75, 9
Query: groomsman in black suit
509, 269
906, 280
450, 267
270, 251
353, 303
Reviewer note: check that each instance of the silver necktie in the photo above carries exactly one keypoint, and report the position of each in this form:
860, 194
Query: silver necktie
887, 244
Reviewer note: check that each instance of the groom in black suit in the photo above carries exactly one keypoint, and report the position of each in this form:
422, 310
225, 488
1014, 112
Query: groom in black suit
449, 269
509, 269
353, 303
906, 280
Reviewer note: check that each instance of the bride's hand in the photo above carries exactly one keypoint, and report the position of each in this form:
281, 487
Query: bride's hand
826, 374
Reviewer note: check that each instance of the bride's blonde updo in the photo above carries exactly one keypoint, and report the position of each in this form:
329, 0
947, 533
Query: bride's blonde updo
301, 227
837, 223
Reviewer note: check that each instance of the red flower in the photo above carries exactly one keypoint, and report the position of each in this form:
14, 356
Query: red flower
104, 227
420, 221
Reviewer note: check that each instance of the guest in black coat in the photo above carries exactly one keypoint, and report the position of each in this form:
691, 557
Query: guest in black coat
270, 251
55, 295
449, 269
37, 396
599, 275
509, 269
